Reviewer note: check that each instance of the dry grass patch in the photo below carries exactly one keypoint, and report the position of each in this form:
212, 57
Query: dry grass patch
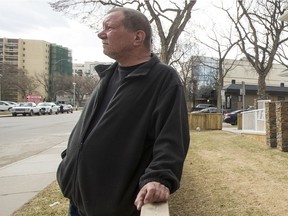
225, 174
40, 204
228, 174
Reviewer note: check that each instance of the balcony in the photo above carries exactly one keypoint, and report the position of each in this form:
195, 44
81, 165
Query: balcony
15, 45
11, 51
11, 58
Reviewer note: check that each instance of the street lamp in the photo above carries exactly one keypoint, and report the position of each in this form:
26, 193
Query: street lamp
74, 91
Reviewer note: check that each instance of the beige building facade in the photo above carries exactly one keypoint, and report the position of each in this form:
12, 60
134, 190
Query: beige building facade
244, 76
30, 55
244, 72
87, 68
33, 57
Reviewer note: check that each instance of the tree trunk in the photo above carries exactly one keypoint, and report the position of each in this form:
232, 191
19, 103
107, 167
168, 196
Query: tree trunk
261, 86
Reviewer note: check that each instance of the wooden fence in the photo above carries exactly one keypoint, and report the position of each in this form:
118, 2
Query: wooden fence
205, 121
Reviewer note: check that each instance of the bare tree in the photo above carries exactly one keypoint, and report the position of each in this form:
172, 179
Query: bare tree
170, 18
185, 60
9, 75
220, 45
25, 84
260, 33
43, 80
84, 87
189, 77
283, 58
14, 81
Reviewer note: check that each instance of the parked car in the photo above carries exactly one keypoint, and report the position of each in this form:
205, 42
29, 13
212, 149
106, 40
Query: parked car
26, 108
207, 110
5, 106
12, 102
201, 106
66, 108
48, 108
232, 117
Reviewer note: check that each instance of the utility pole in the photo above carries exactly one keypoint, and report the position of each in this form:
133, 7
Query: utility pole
243, 92
74, 93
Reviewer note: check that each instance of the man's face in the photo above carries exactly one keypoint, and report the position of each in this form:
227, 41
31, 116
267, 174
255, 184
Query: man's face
116, 40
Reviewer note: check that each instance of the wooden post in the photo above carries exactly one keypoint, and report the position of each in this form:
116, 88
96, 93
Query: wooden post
155, 209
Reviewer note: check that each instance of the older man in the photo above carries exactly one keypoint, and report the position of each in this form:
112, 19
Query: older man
130, 143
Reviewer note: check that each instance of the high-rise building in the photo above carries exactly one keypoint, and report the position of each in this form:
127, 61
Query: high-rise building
60, 64
38, 59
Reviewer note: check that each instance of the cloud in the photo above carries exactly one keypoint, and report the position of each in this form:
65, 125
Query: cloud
24, 15
35, 19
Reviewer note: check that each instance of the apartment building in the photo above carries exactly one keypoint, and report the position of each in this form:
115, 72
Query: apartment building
87, 68
38, 59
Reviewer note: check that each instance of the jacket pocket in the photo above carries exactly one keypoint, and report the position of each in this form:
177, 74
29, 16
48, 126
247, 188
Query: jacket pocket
63, 154
65, 178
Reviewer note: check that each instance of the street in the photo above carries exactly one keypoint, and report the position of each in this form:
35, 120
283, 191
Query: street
24, 136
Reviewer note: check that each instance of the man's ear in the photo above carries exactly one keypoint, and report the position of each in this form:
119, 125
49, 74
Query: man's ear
139, 37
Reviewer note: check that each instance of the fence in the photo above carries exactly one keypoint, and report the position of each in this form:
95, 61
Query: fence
254, 121
205, 121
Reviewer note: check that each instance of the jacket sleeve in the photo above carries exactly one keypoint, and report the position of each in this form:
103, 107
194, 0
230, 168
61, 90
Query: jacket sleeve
172, 138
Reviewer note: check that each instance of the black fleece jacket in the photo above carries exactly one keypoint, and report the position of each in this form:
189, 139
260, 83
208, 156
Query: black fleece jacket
142, 136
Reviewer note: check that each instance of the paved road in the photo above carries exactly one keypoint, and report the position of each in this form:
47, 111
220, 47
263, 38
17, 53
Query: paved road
24, 136
30, 150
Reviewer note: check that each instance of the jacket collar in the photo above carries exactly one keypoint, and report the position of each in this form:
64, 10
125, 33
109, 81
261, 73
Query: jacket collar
143, 70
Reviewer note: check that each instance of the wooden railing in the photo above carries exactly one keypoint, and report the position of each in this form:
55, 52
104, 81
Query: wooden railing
155, 209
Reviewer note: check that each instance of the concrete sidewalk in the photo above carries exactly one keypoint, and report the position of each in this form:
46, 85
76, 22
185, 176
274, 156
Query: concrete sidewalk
22, 180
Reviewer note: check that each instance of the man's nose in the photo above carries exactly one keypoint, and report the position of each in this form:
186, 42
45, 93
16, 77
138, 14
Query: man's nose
101, 34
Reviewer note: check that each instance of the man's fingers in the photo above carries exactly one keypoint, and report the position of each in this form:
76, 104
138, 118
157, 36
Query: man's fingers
157, 193
152, 192
139, 201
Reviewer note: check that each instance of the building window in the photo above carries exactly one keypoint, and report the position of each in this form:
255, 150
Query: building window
281, 98
228, 102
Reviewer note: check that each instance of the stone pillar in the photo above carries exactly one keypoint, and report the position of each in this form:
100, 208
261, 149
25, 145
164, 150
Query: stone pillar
282, 125
271, 129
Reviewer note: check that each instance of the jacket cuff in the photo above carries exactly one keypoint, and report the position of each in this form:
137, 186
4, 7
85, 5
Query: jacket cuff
161, 181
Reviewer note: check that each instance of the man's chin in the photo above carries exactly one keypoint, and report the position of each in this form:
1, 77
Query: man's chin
109, 54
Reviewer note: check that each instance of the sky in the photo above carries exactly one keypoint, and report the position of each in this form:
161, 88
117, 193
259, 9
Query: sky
35, 19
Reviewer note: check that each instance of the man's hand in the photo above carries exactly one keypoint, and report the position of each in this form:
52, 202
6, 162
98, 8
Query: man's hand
150, 193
